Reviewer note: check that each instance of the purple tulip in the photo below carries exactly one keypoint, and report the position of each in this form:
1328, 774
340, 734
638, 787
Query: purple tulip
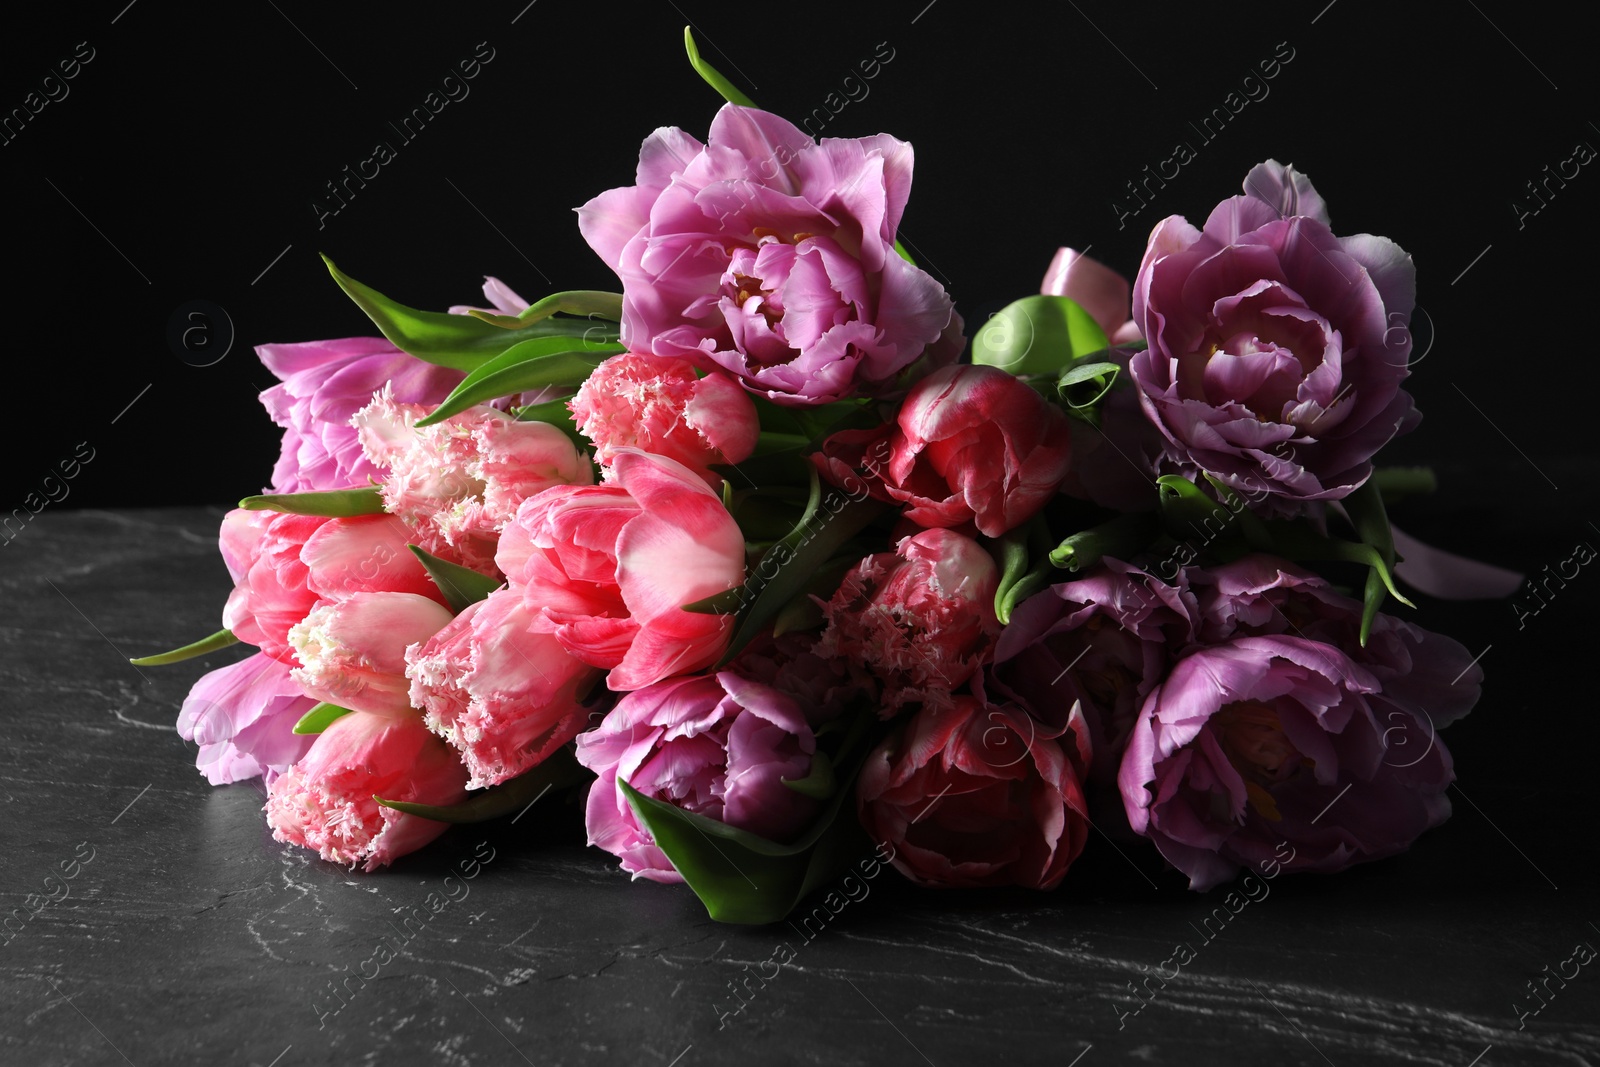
324, 383
770, 256
1276, 349
1425, 674
242, 716
718, 745
1102, 642
1280, 743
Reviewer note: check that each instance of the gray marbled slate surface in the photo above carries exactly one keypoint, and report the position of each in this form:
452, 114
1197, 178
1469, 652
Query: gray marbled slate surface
185, 934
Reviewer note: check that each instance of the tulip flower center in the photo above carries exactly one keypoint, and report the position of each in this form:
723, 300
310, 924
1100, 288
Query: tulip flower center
1258, 352
744, 287
1252, 737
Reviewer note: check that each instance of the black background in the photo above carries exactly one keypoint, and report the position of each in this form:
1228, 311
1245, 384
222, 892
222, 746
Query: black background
196, 142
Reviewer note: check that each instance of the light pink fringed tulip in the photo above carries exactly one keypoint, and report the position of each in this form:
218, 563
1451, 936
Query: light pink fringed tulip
660, 405
353, 652
325, 801
504, 696
458, 482
283, 565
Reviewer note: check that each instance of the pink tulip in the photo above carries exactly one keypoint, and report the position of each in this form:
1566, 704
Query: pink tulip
284, 565
660, 405
504, 696
458, 482
352, 652
608, 568
972, 444
270, 593
1098, 289
503, 300
364, 554
921, 618
323, 384
325, 801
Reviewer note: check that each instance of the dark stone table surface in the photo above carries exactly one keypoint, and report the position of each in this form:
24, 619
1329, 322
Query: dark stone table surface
187, 935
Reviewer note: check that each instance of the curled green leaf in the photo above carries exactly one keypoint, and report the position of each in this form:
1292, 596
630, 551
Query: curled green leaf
585, 302
711, 75
461, 586
1371, 521
741, 877
204, 646
335, 503
820, 783
459, 341
319, 718
1037, 335
1120, 538
827, 522
1098, 376
1019, 580
536, 364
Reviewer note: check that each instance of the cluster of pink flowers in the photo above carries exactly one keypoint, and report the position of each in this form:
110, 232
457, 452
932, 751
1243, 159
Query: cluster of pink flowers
639, 616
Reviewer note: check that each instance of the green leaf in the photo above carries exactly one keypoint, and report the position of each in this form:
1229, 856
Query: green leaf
898, 247
787, 467
558, 771
1186, 510
459, 341
1371, 520
536, 364
1251, 525
204, 646
337, 503
1397, 483
1120, 538
711, 75
726, 602
768, 442
1299, 542
586, 302
461, 586
1103, 375
1018, 580
802, 612
820, 783
1038, 335
743, 878
786, 567
319, 718
812, 423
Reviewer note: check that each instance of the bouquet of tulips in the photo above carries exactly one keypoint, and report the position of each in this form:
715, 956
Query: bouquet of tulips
766, 557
